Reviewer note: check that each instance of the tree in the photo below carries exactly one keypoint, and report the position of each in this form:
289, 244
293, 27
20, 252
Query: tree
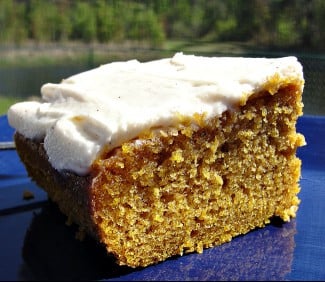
12, 22
143, 24
84, 25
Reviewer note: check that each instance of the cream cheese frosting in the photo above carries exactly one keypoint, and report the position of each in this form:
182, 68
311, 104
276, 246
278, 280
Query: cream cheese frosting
113, 103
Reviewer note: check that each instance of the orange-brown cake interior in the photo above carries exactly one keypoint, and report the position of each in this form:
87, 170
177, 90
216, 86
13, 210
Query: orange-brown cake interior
177, 190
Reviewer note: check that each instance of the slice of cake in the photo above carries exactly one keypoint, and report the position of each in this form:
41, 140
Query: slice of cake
171, 156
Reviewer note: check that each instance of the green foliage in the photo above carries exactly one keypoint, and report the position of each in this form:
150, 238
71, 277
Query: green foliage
143, 24
318, 34
42, 19
274, 23
12, 24
64, 26
286, 32
84, 22
107, 27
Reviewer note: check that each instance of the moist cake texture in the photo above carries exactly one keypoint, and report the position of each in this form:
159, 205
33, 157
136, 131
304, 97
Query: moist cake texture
190, 178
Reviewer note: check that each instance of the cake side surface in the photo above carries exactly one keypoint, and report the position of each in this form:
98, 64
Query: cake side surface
69, 190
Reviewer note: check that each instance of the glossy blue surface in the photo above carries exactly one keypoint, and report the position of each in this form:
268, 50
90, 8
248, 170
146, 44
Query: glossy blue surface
35, 243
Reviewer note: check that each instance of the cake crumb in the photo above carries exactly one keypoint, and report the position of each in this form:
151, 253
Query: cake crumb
80, 234
28, 195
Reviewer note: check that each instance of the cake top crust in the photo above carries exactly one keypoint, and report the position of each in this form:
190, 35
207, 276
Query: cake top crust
113, 103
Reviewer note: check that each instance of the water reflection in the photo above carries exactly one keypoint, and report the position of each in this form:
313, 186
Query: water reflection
51, 252
24, 82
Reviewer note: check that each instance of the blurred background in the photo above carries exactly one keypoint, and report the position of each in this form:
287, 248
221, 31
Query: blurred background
48, 40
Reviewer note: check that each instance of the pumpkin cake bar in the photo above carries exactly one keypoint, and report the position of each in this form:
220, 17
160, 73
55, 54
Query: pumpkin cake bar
171, 156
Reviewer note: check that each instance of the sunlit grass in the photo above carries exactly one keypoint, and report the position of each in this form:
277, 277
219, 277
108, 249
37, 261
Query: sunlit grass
6, 102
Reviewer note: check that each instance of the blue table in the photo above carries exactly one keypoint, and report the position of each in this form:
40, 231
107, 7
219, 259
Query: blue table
35, 242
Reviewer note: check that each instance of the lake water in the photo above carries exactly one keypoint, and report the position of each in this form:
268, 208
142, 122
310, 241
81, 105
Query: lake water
23, 82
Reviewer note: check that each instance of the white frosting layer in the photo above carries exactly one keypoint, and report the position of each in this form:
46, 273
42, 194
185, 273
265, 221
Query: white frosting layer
115, 102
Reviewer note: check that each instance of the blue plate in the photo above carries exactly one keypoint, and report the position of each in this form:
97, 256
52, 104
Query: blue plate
35, 243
